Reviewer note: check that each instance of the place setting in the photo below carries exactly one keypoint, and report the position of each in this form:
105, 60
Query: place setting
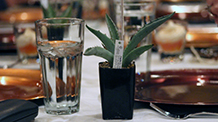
145, 60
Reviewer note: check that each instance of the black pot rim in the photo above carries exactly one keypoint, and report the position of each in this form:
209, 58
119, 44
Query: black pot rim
123, 68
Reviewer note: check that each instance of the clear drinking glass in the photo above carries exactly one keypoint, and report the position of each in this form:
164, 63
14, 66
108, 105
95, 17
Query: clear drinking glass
60, 43
136, 14
171, 39
25, 39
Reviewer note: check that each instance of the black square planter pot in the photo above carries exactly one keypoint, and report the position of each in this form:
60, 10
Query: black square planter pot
117, 92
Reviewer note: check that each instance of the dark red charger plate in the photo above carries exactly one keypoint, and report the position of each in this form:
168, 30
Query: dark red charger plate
181, 92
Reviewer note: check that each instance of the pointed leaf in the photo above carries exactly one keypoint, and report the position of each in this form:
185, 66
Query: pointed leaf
100, 52
108, 43
135, 54
112, 28
44, 12
144, 31
49, 12
67, 12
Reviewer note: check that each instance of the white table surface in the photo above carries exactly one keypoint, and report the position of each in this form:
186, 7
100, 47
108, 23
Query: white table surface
90, 105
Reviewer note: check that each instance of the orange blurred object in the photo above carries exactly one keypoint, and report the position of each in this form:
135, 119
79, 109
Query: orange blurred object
202, 37
20, 84
29, 49
21, 15
172, 46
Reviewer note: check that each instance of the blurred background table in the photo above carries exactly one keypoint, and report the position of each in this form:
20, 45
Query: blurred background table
90, 109
90, 104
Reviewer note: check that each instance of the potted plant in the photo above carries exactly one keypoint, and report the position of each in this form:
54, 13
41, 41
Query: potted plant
55, 33
118, 85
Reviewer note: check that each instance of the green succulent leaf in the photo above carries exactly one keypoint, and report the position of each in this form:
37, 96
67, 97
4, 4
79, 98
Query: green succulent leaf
112, 28
144, 31
67, 12
107, 42
130, 52
135, 54
49, 12
100, 52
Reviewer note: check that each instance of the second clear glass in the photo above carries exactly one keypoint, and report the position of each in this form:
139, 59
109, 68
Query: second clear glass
136, 14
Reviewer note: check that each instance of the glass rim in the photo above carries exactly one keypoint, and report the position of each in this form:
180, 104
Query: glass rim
44, 21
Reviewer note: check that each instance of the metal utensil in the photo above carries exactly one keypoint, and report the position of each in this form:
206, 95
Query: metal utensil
180, 116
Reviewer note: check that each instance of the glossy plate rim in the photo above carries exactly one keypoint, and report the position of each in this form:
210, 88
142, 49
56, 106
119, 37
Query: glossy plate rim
30, 74
200, 71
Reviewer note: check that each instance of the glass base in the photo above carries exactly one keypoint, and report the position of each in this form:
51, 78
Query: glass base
171, 58
28, 60
62, 111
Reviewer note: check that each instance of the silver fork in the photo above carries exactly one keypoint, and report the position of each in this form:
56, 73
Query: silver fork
184, 116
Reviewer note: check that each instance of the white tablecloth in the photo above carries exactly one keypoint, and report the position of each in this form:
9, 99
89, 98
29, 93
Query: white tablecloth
90, 105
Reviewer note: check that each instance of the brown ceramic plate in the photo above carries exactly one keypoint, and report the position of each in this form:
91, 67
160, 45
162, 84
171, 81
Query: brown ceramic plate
179, 87
20, 84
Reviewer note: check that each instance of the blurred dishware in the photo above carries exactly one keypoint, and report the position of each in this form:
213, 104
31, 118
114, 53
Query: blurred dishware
60, 43
7, 42
136, 14
171, 38
180, 93
13, 15
188, 10
25, 39
179, 86
202, 36
21, 14
209, 53
205, 55
20, 84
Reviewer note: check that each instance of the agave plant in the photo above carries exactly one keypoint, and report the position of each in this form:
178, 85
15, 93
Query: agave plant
131, 52
49, 12
55, 33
